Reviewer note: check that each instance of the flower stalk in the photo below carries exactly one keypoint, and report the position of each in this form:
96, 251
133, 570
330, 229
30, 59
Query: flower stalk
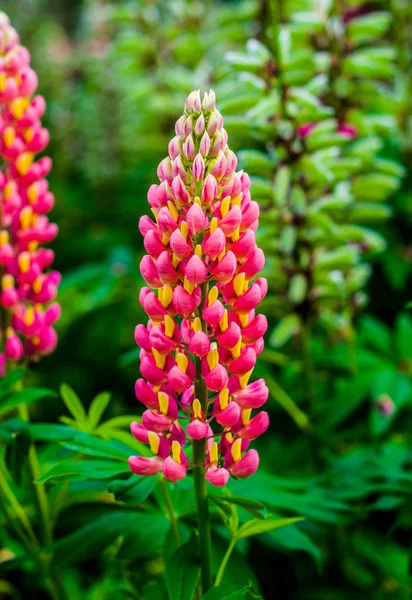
203, 336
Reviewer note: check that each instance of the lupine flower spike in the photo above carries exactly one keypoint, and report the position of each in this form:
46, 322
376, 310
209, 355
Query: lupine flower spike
203, 332
27, 289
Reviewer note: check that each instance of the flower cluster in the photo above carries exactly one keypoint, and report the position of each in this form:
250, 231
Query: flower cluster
27, 291
203, 336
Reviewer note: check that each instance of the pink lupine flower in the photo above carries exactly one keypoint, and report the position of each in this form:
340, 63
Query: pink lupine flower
26, 290
304, 130
203, 335
348, 130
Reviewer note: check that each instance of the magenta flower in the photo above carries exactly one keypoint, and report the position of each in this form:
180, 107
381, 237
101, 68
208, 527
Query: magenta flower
27, 288
200, 345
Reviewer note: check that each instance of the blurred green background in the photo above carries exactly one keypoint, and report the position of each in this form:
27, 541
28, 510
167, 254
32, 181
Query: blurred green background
115, 76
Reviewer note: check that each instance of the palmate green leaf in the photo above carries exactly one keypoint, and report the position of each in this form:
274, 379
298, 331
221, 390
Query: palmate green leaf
257, 527
72, 402
183, 570
227, 592
97, 408
27, 396
85, 469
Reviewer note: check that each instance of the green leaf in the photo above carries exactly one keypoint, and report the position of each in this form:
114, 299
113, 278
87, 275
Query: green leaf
257, 527
253, 506
8, 382
281, 185
182, 571
84, 470
72, 402
286, 328
141, 535
132, 491
14, 399
47, 432
398, 388
97, 408
403, 336
298, 288
369, 26
226, 592
293, 538
256, 162
120, 422
93, 446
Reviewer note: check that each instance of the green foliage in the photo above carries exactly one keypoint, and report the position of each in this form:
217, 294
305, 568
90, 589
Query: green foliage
319, 154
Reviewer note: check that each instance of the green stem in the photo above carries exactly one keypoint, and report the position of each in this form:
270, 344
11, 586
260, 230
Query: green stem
300, 418
225, 561
14, 523
307, 365
171, 512
17, 509
39, 489
200, 487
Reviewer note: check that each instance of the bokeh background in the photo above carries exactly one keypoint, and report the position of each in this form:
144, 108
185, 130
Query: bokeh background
115, 76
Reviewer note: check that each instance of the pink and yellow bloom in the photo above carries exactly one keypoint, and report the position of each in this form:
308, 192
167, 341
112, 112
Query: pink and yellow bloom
202, 267
28, 289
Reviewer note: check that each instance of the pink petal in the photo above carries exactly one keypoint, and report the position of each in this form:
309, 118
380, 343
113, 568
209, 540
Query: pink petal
246, 466
141, 465
217, 477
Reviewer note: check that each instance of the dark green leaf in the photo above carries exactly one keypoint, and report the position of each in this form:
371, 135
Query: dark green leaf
226, 592
183, 570
132, 491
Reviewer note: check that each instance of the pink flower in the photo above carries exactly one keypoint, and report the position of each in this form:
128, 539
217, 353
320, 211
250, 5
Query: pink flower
27, 289
347, 129
203, 334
